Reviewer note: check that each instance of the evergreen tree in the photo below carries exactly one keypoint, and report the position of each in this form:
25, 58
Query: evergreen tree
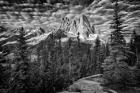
133, 49
133, 42
106, 49
20, 79
133, 59
1, 70
46, 60
116, 25
98, 57
115, 67
3, 53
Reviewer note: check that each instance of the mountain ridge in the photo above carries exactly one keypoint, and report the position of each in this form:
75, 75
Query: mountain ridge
98, 14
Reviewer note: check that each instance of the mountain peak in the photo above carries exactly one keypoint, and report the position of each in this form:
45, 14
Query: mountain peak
82, 26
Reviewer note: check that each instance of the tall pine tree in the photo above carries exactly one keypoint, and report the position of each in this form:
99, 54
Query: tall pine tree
115, 67
116, 25
4, 51
20, 79
133, 49
97, 57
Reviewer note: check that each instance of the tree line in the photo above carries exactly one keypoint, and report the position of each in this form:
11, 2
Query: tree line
57, 64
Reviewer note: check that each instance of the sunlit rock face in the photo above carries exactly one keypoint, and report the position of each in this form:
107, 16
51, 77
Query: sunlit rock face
77, 28
81, 26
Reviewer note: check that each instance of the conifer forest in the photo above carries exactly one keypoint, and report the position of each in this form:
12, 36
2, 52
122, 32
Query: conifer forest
69, 46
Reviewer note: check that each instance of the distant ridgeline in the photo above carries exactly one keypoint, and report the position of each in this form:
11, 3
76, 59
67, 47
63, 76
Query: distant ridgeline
77, 28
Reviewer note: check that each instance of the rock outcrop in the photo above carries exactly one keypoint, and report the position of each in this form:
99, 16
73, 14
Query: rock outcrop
91, 84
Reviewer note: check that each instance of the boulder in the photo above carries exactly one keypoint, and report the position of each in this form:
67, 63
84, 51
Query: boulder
90, 84
86, 85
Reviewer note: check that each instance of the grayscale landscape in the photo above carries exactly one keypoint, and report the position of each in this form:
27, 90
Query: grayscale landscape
69, 46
